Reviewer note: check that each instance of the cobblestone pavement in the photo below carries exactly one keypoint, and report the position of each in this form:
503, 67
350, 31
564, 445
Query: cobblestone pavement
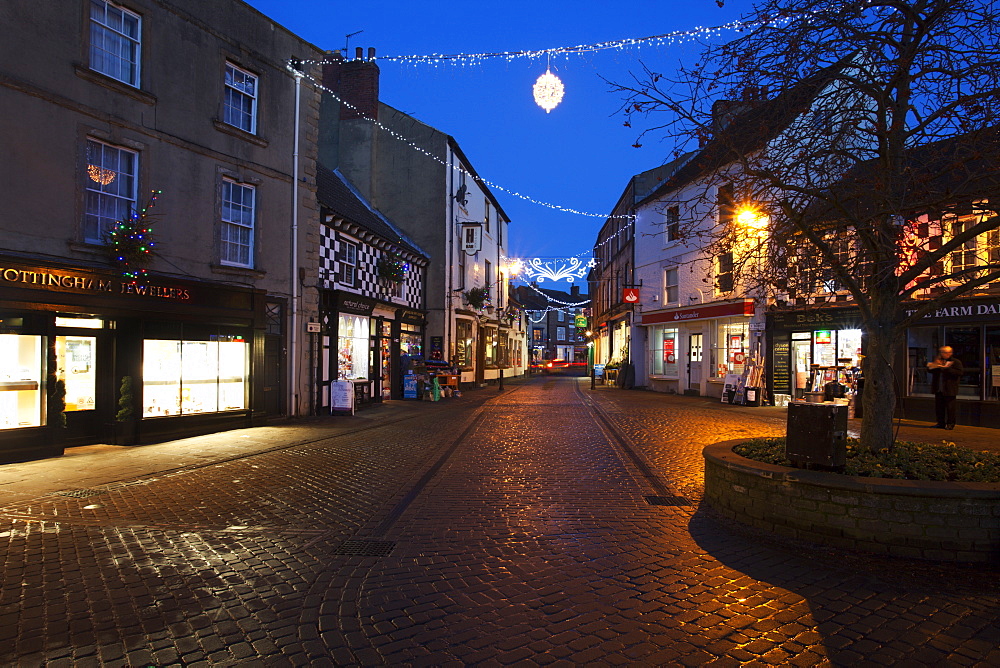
501, 529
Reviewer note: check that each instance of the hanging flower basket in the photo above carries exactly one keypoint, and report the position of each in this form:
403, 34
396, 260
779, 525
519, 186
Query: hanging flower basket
392, 268
478, 298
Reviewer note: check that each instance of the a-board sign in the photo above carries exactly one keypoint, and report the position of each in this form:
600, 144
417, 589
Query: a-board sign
342, 396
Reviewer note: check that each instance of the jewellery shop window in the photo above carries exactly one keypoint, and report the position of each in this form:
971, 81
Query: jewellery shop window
352, 347
21, 358
204, 371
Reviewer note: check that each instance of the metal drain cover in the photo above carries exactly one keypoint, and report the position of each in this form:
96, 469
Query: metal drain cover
365, 547
667, 501
80, 493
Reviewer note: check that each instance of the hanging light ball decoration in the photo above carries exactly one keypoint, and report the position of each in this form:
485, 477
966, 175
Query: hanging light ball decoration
548, 91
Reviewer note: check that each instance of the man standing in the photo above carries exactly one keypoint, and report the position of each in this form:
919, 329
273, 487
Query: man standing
945, 372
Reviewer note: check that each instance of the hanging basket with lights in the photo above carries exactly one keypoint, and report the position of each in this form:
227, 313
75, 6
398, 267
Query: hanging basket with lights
478, 298
130, 242
392, 268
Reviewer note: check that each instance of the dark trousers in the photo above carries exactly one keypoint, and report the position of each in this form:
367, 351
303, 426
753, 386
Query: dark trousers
944, 406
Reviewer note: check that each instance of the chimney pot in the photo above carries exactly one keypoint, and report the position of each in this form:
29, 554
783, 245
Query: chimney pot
371, 53
357, 53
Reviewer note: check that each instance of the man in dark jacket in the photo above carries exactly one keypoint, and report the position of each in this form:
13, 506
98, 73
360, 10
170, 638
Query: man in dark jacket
945, 372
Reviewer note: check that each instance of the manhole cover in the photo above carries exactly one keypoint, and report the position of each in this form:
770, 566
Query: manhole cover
667, 501
81, 493
362, 547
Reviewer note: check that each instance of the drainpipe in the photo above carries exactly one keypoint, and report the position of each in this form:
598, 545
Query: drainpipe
293, 357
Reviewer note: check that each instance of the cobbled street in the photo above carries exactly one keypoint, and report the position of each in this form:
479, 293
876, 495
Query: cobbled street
509, 528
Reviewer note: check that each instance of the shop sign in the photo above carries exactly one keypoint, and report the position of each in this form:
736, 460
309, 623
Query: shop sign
964, 311
580, 322
70, 281
668, 351
412, 317
356, 304
630, 295
342, 396
744, 307
472, 238
824, 336
313, 327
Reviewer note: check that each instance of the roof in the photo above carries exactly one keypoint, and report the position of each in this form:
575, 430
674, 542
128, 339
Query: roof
751, 128
534, 299
950, 172
336, 193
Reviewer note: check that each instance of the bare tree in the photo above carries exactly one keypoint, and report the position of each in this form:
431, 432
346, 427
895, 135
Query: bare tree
865, 134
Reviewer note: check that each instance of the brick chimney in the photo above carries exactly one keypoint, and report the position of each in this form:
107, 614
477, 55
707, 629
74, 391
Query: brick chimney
574, 291
355, 82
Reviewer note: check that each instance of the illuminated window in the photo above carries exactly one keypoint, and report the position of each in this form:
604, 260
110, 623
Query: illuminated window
114, 42
237, 224
184, 377
20, 381
111, 182
463, 343
240, 104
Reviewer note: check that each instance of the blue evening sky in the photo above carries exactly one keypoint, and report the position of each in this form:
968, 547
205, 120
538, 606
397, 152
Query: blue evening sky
578, 156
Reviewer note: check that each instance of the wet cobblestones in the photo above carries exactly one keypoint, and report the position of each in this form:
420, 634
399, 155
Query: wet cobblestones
529, 542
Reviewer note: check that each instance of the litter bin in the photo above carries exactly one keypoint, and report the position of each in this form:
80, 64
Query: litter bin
816, 434
751, 396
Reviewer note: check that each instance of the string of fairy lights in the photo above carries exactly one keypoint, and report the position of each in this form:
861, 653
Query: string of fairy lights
665, 39
413, 145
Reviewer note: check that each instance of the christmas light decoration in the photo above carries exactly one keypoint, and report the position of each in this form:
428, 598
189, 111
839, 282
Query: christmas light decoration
130, 242
100, 175
665, 39
454, 167
555, 269
548, 91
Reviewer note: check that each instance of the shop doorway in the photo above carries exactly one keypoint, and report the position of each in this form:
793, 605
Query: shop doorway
801, 360
82, 351
695, 348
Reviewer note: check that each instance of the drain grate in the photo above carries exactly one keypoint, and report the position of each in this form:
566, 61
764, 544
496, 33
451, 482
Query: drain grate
364, 547
81, 493
667, 501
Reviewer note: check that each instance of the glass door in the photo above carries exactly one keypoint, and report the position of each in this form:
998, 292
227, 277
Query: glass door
695, 344
77, 356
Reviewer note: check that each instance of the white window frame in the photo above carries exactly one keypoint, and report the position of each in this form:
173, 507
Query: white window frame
237, 217
103, 29
236, 79
561, 334
672, 223
668, 286
347, 263
111, 188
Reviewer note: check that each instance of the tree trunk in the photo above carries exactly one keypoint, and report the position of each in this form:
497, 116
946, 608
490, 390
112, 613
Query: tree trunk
879, 396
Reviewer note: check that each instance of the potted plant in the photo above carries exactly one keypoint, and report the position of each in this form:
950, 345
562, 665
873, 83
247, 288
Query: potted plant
125, 418
57, 405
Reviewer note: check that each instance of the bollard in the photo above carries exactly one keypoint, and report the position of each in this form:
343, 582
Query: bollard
500, 385
593, 378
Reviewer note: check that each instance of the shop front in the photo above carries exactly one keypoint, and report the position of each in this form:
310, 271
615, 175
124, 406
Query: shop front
369, 343
814, 351
972, 329
692, 350
87, 356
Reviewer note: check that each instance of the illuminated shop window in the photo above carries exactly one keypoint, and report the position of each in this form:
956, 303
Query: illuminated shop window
20, 381
75, 360
352, 347
190, 377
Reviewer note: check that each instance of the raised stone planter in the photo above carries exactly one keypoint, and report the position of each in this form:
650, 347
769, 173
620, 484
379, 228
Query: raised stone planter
944, 521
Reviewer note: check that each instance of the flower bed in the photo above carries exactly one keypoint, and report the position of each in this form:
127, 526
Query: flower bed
939, 520
907, 461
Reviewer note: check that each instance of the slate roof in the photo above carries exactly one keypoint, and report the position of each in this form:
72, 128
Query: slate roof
749, 130
337, 194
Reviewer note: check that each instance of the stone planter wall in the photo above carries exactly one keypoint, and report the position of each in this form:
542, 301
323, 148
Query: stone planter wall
945, 521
